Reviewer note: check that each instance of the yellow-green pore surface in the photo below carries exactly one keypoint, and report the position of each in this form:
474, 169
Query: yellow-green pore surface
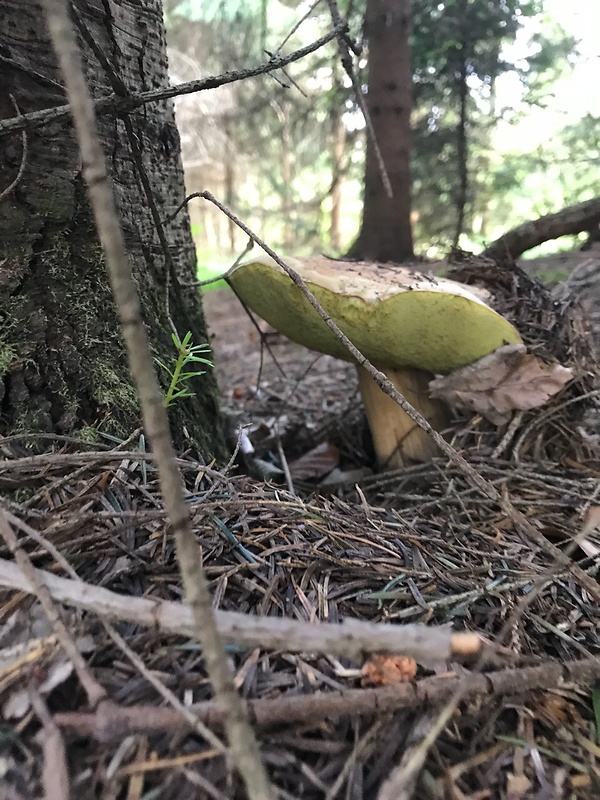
395, 317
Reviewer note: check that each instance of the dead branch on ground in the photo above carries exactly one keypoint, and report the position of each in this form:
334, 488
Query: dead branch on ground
569, 221
351, 639
111, 719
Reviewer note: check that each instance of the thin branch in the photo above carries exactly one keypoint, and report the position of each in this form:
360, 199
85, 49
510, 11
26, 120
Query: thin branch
30, 463
243, 744
317, 706
26, 69
196, 724
401, 782
295, 27
113, 104
167, 694
488, 489
349, 639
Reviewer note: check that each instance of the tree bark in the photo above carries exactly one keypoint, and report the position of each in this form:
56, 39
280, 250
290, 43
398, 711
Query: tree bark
386, 232
569, 221
62, 363
462, 144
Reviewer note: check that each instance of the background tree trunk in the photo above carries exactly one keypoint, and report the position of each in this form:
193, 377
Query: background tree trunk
462, 143
386, 232
338, 146
62, 362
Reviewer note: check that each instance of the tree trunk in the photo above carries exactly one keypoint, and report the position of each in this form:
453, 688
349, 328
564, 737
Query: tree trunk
386, 233
62, 363
462, 152
338, 148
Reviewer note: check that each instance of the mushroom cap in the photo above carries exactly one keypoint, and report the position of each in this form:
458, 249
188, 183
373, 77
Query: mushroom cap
396, 317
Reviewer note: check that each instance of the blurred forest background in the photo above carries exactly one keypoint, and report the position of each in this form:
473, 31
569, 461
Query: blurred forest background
505, 121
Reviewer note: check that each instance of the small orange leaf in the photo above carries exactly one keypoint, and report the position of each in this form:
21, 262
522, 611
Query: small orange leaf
381, 670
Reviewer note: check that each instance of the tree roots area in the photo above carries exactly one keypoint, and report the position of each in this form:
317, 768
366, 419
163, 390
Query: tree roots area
300, 531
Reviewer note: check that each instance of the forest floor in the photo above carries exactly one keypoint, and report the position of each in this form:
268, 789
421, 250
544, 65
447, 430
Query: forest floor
303, 528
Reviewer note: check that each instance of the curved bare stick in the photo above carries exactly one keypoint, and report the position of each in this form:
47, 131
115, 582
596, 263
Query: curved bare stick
571, 220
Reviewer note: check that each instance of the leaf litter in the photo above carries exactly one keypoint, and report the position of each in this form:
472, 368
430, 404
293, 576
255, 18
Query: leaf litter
416, 545
509, 379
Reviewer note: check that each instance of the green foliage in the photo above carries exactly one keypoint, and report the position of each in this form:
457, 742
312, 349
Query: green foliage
187, 353
470, 40
280, 128
558, 172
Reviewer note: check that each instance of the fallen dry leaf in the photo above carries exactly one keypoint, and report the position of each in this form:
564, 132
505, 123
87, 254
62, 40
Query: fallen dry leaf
509, 379
382, 670
317, 462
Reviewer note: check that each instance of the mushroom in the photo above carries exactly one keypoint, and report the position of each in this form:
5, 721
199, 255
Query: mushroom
409, 325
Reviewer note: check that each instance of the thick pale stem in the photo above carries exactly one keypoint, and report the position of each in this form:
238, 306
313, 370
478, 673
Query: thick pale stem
396, 438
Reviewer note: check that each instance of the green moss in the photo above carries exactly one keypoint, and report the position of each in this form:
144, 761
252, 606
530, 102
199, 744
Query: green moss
8, 355
110, 390
31, 417
88, 434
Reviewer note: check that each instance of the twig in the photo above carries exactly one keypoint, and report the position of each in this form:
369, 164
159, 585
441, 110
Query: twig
113, 104
350, 639
470, 596
506, 439
57, 437
401, 782
285, 466
33, 582
262, 338
41, 540
138, 663
243, 744
517, 517
312, 708
295, 27
357, 754
29, 463
27, 69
